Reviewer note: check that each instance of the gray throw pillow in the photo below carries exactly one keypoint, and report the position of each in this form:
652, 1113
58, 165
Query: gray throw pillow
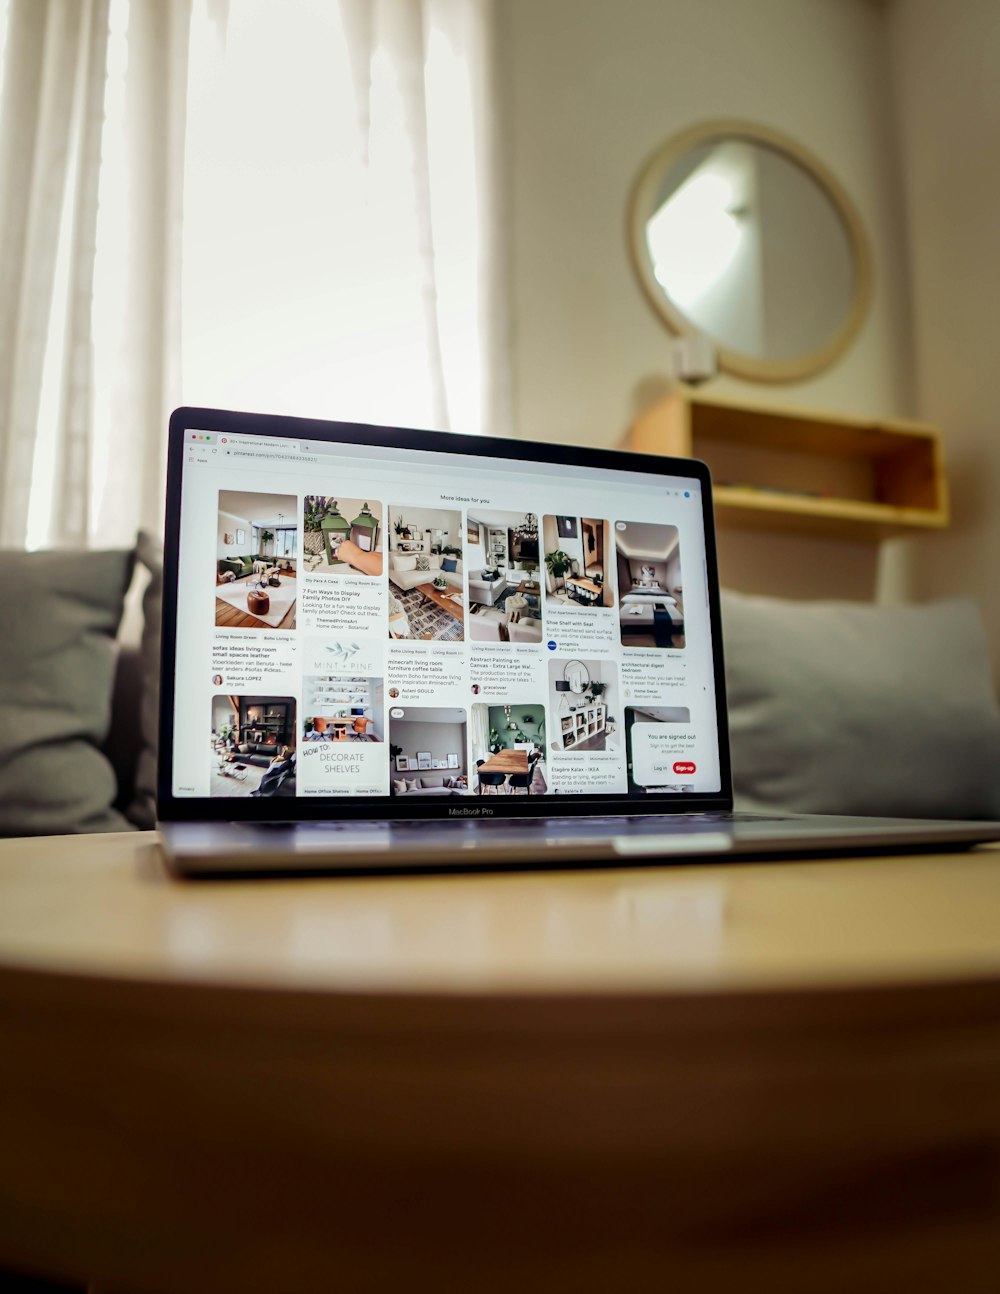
839, 707
57, 661
142, 810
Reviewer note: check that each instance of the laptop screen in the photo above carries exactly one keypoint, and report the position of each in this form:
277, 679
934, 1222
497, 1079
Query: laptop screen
423, 620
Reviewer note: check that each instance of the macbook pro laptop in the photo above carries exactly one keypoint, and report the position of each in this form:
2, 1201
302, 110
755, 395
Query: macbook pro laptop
388, 650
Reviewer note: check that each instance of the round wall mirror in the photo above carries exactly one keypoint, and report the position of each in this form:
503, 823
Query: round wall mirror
738, 233
577, 676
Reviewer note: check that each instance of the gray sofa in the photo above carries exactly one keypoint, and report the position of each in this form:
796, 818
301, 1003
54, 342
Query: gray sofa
834, 707
79, 670
426, 784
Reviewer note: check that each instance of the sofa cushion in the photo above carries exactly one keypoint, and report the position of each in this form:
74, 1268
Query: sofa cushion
449, 563
842, 707
402, 562
142, 810
57, 662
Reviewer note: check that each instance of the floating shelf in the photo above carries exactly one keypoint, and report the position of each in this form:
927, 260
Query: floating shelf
810, 473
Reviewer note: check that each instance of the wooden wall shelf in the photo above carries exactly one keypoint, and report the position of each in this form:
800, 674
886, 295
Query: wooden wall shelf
810, 473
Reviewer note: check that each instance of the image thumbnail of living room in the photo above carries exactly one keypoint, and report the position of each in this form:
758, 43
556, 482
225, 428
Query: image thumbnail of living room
577, 561
341, 536
508, 748
427, 747
426, 573
651, 596
342, 708
253, 746
585, 705
504, 592
256, 560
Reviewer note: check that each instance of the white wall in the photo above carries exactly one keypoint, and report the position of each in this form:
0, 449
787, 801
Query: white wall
229, 525
946, 63
420, 520
588, 89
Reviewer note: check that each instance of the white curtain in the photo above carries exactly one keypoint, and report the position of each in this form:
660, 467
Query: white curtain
479, 728
286, 207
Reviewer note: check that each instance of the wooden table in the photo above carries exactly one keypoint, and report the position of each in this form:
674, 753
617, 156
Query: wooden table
338, 726
588, 586
780, 1077
444, 598
506, 761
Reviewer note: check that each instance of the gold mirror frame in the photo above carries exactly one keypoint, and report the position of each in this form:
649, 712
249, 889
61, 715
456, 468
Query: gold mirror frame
734, 362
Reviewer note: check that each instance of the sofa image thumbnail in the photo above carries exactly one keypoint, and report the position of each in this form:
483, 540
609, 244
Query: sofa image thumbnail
253, 746
256, 562
427, 748
426, 573
504, 590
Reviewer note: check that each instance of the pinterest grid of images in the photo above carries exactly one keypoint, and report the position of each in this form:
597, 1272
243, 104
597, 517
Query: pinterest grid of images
372, 647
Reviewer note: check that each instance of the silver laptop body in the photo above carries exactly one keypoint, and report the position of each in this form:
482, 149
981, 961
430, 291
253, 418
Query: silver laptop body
388, 651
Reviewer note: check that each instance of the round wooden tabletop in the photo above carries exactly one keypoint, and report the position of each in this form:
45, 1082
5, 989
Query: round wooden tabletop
103, 905
782, 1075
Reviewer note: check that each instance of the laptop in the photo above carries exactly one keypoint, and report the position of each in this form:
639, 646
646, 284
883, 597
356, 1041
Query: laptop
390, 651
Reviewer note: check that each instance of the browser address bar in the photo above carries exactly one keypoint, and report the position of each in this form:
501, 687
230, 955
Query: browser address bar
292, 455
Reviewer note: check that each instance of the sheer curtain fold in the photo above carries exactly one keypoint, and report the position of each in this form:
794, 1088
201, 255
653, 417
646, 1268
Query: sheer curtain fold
288, 207
82, 355
339, 215
49, 151
137, 306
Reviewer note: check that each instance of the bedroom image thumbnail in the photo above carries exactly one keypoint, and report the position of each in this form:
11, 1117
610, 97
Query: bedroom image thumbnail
256, 560
426, 573
253, 746
504, 591
651, 595
427, 750
577, 561
345, 708
341, 536
508, 749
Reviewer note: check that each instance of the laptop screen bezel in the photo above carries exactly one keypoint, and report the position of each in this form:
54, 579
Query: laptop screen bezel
172, 808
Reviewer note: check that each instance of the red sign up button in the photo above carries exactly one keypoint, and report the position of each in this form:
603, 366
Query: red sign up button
684, 767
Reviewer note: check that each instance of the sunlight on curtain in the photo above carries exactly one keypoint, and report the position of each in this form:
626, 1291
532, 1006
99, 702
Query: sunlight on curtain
479, 729
110, 313
235, 202
333, 226
42, 500
4, 21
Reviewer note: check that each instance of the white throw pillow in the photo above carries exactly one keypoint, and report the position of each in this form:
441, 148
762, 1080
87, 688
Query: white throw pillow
403, 561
